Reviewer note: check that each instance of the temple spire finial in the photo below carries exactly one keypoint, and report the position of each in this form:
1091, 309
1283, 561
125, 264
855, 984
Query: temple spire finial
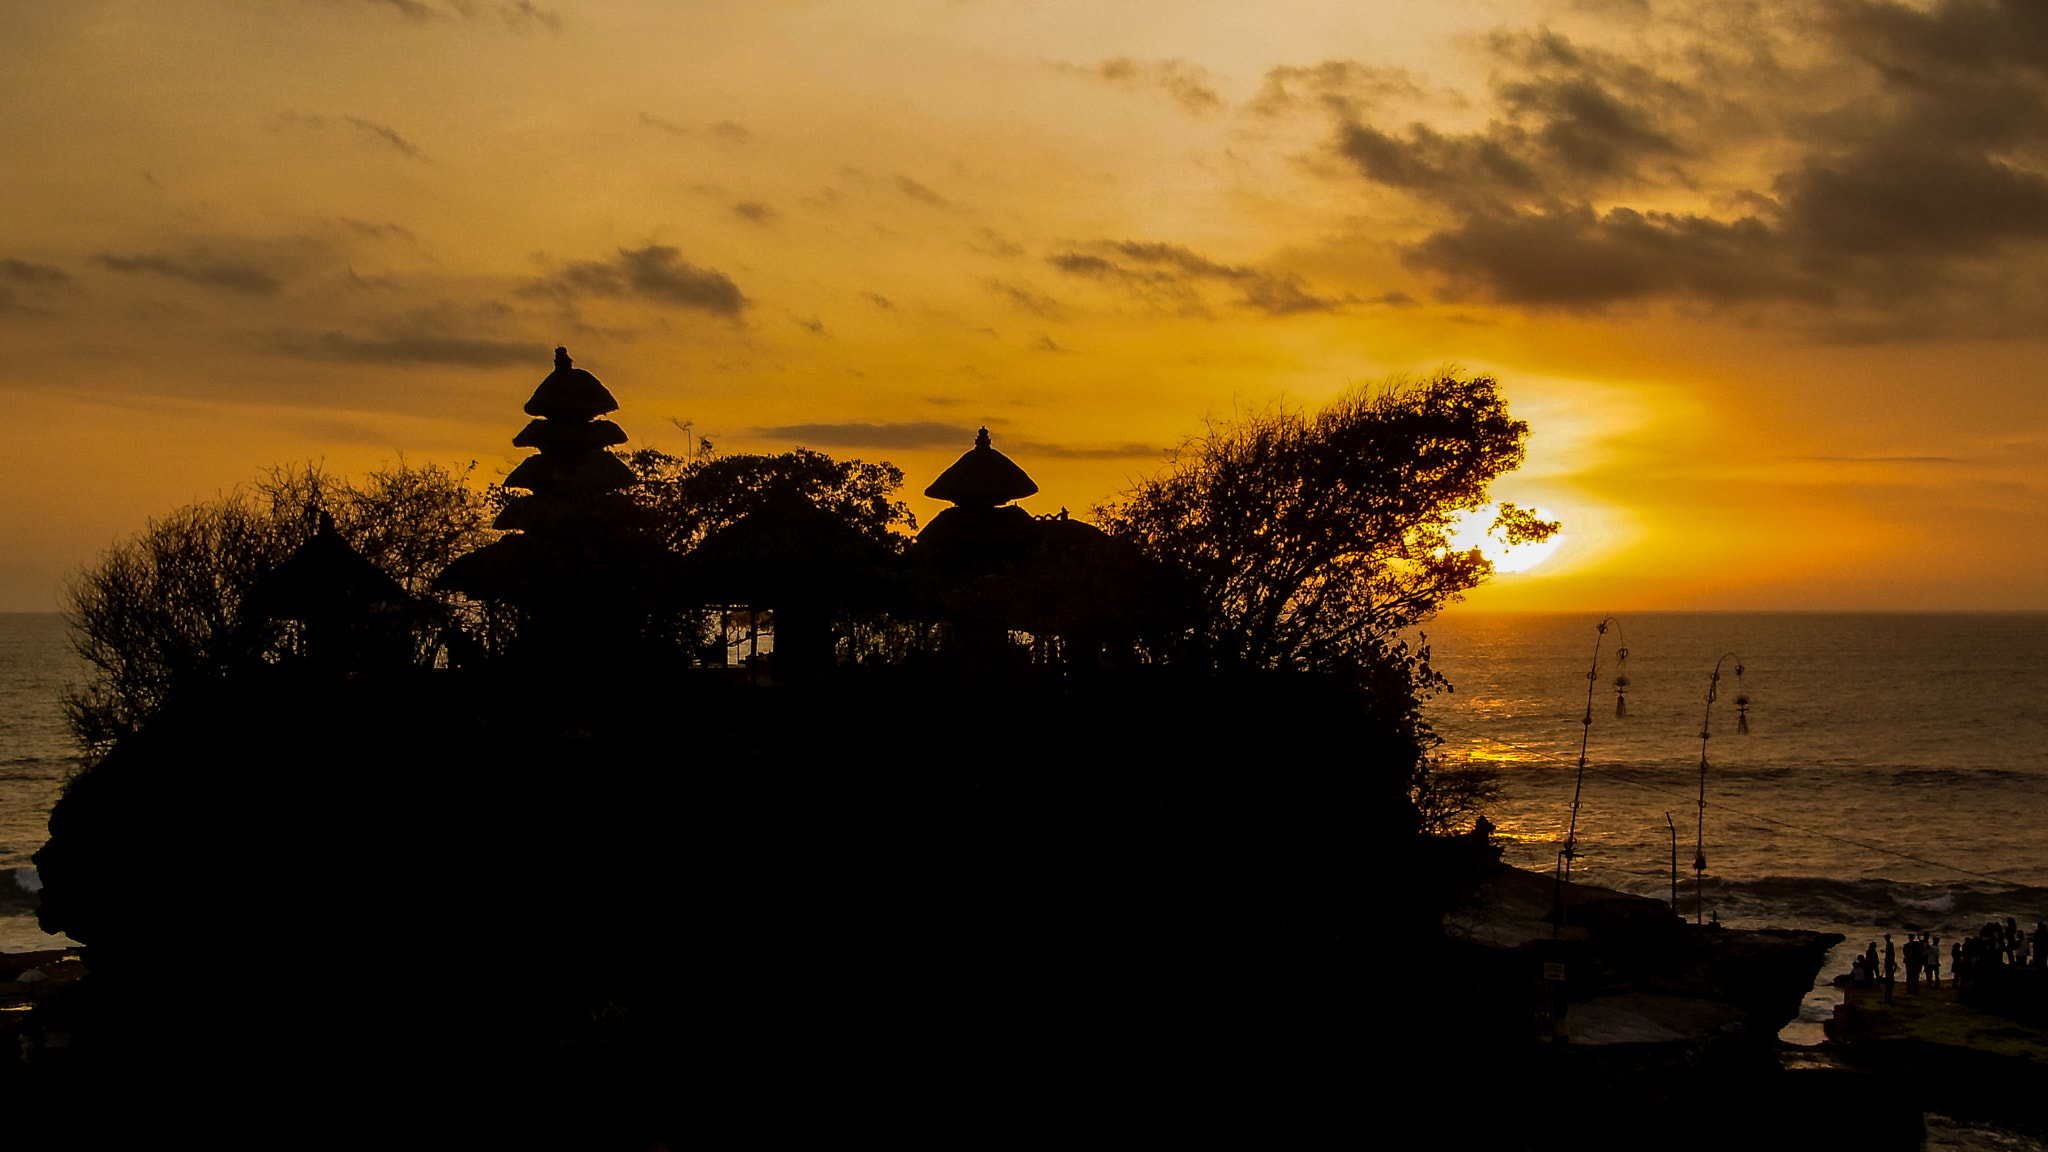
562, 360
981, 440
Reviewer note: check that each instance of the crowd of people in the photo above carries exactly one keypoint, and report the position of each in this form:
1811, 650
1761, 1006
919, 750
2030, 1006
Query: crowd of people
1994, 944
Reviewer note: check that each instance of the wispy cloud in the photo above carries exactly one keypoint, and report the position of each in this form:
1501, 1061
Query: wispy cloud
669, 126
919, 192
519, 15
410, 9
388, 135
403, 347
227, 272
656, 273
25, 272
918, 434
1128, 451
1167, 275
1026, 296
1188, 84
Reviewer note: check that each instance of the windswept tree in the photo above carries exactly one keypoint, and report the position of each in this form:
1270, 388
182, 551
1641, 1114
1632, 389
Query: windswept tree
164, 611
1309, 540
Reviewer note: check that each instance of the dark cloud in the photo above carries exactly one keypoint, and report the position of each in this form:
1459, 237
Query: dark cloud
38, 275
387, 135
1572, 122
1576, 258
919, 434
919, 192
1956, 37
731, 131
655, 273
1912, 197
229, 272
813, 324
402, 348
755, 211
1167, 275
1025, 296
1906, 153
881, 301
1188, 84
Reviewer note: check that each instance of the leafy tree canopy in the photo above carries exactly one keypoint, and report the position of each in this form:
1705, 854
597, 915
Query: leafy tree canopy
1308, 540
164, 610
695, 497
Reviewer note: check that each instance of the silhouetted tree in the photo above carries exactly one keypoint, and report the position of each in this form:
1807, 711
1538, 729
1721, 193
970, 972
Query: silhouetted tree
164, 610
1309, 540
695, 497
1445, 797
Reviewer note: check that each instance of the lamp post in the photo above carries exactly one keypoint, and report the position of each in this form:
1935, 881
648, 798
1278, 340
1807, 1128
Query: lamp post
1569, 852
1674, 863
1699, 858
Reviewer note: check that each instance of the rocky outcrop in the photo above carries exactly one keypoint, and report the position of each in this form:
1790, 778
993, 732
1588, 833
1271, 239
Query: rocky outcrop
1616, 1021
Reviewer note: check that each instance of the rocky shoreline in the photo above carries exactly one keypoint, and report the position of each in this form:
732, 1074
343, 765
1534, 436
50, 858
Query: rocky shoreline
1631, 1020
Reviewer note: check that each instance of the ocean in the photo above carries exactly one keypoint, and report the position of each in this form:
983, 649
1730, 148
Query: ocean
36, 757
1894, 777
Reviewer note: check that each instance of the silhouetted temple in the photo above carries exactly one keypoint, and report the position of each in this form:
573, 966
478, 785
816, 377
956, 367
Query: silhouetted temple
982, 528
573, 561
573, 464
800, 562
352, 616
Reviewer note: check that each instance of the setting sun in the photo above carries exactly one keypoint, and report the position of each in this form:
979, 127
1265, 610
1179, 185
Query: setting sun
1470, 531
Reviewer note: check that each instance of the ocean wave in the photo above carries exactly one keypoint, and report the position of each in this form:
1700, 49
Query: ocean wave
19, 898
1949, 908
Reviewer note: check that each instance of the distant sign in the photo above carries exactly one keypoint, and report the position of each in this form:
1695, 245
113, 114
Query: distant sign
1553, 971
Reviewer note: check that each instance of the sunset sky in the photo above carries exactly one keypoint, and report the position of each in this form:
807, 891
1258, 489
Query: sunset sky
1769, 282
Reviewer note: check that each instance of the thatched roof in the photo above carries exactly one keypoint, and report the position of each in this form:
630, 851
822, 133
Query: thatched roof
570, 393
983, 477
569, 473
323, 579
549, 435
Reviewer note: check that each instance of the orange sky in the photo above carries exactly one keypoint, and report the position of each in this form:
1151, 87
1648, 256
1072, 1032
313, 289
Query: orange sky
1769, 286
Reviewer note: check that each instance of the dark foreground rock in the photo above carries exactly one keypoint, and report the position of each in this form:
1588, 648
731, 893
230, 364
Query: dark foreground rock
1979, 1053
940, 910
1622, 1026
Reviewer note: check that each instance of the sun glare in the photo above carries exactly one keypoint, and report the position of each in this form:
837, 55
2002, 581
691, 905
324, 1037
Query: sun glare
1469, 531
